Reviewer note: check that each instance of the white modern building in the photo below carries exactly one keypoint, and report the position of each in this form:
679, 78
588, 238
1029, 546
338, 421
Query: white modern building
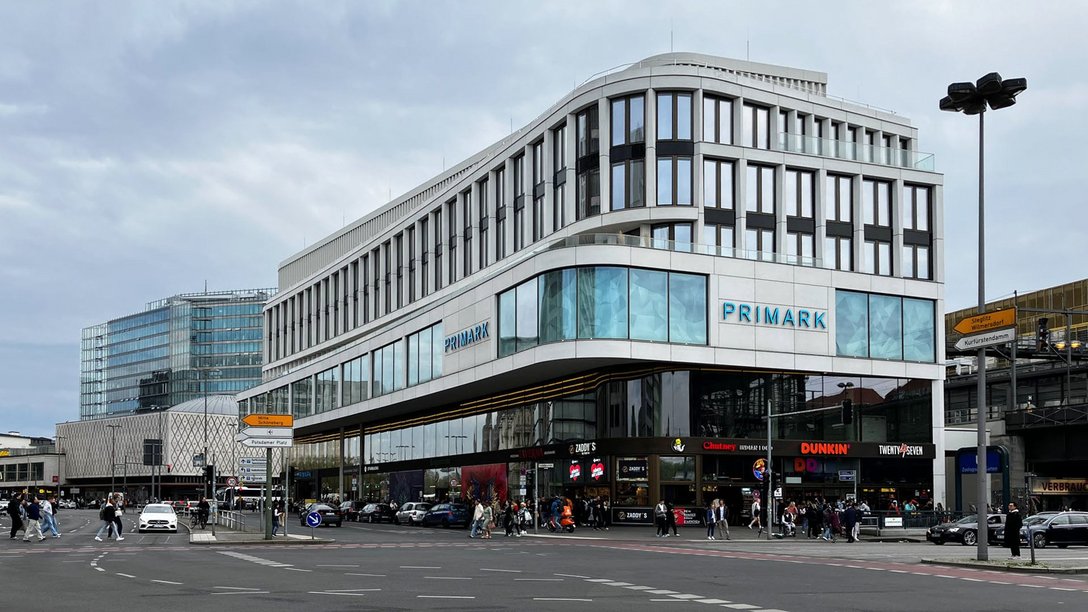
609, 301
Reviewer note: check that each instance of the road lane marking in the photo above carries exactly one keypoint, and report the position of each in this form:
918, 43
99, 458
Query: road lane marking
331, 593
598, 580
622, 584
713, 601
99, 569
125, 575
509, 571
662, 592
538, 579
242, 593
446, 596
740, 606
672, 600
166, 581
296, 569
564, 575
446, 578
367, 575
420, 567
560, 599
234, 588
338, 565
686, 596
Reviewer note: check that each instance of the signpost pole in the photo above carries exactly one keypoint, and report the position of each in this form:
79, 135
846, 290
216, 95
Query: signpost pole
1027, 510
767, 473
268, 494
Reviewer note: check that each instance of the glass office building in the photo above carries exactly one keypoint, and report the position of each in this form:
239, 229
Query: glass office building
611, 300
175, 350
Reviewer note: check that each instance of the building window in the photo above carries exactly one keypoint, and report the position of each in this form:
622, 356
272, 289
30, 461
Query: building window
674, 116
838, 198
411, 264
884, 327
760, 243
482, 190
519, 203
916, 261
757, 129
674, 181
500, 214
588, 132
628, 120
537, 231
628, 184
876, 213
356, 380
388, 371
760, 189
799, 194
717, 120
559, 159
451, 223
437, 249
719, 239
387, 258
466, 230
603, 302
672, 236
325, 395
398, 250
424, 253
838, 253
915, 206
425, 349
718, 184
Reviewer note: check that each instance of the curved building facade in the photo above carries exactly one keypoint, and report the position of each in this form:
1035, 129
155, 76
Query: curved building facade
610, 300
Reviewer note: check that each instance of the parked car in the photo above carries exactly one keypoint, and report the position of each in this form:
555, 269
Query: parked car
350, 510
447, 515
67, 504
94, 504
411, 513
376, 513
965, 530
1060, 529
329, 515
157, 517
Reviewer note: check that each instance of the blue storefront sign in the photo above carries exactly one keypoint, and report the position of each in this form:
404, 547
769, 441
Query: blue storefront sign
774, 316
466, 337
968, 462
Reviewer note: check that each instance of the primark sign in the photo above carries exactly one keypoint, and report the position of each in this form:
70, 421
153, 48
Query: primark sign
774, 315
466, 337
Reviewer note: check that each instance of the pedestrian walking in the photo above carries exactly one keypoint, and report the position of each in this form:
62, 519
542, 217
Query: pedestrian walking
508, 518
276, 509
660, 510
711, 518
33, 518
119, 511
756, 516
1013, 523
671, 519
106, 516
488, 520
49, 516
723, 519
15, 507
477, 520
850, 522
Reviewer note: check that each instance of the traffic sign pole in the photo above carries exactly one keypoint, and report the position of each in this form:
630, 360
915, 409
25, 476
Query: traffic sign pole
268, 494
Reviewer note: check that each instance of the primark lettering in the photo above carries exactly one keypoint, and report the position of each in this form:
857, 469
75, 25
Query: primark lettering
780, 316
466, 337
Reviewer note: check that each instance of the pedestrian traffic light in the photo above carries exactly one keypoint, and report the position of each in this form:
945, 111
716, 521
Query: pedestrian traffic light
1044, 335
847, 412
209, 473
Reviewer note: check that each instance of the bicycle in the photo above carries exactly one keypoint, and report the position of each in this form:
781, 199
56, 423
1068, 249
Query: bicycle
198, 520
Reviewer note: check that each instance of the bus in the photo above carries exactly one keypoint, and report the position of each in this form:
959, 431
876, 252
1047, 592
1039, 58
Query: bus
244, 498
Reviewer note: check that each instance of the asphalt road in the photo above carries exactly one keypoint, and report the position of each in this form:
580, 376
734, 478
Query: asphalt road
386, 567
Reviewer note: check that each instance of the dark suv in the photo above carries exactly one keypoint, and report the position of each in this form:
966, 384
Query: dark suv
1061, 530
376, 513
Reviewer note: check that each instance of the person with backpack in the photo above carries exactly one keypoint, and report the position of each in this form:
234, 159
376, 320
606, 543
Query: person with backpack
105, 515
33, 518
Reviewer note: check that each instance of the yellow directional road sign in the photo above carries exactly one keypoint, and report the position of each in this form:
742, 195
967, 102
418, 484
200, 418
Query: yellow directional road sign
987, 321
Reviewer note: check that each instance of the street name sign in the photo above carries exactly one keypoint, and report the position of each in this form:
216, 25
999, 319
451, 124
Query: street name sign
268, 442
987, 321
269, 420
264, 432
977, 341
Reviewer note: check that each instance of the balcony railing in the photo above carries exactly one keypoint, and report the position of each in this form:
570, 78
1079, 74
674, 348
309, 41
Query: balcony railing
1047, 416
873, 154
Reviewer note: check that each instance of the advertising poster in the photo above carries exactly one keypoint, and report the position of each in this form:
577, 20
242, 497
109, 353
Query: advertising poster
484, 482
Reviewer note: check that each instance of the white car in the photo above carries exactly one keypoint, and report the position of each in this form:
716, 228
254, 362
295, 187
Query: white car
412, 513
158, 517
68, 504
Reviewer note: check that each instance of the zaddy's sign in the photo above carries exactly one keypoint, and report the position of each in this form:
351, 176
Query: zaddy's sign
466, 337
774, 316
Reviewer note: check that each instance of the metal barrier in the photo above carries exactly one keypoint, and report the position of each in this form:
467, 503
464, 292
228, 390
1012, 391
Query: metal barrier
231, 520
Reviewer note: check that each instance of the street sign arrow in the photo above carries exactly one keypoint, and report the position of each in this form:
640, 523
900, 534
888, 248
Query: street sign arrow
269, 420
987, 321
268, 442
993, 338
265, 432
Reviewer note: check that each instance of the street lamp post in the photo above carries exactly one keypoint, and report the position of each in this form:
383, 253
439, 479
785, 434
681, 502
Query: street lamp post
972, 99
113, 457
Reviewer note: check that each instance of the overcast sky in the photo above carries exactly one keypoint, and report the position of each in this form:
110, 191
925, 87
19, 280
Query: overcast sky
148, 147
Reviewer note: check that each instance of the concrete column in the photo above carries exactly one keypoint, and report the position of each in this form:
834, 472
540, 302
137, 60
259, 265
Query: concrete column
570, 203
508, 198
858, 218
604, 117
740, 182
651, 147
940, 494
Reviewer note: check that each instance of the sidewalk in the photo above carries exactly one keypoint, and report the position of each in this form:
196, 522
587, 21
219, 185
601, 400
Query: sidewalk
737, 533
230, 536
1019, 566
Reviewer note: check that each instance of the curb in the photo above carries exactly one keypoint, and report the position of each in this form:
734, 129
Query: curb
1016, 569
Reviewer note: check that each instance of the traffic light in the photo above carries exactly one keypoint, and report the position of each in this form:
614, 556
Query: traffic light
1044, 335
847, 412
209, 474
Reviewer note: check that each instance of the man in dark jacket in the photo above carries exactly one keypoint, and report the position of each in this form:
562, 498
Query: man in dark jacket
850, 518
13, 511
1013, 523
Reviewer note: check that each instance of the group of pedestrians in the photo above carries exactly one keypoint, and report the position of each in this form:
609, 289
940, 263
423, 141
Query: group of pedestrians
822, 520
110, 515
717, 520
33, 515
514, 518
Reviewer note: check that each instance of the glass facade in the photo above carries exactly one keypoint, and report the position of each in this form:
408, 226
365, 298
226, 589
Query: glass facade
675, 403
603, 302
875, 326
177, 350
